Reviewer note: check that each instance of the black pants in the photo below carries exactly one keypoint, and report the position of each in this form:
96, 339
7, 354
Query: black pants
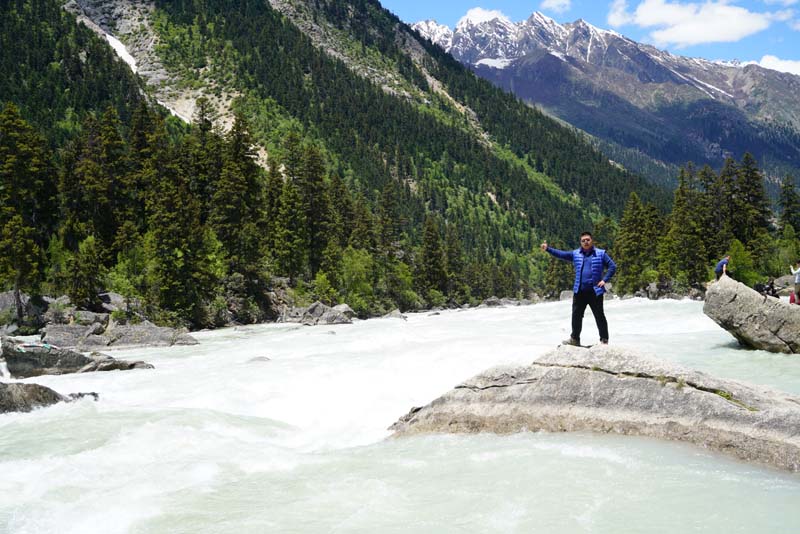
579, 302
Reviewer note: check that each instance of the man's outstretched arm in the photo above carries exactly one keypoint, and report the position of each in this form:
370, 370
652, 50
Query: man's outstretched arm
560, 254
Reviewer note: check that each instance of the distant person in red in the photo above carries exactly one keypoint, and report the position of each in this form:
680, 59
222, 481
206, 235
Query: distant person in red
796, 273
722, 267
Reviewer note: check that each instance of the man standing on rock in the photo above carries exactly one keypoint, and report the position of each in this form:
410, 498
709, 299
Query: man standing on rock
589, 287
722, 267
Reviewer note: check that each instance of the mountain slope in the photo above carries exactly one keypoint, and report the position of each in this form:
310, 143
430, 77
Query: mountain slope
673, 109
431, 88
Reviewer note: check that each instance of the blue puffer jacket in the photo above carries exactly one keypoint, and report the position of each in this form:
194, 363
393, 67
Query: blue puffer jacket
599, 260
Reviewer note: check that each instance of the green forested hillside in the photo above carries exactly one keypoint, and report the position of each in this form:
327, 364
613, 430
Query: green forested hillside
371, 198
56, 70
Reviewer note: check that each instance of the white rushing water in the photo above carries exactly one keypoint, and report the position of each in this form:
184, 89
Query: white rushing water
4, 374
281, 428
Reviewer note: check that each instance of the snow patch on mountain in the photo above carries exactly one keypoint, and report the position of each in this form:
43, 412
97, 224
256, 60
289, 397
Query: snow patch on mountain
496, 63
121, 51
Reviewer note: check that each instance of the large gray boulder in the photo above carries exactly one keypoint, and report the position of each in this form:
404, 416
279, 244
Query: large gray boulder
96, 334
346, 310
614, 390
26, 397
26, 360
146, 334
317, 314
756, 321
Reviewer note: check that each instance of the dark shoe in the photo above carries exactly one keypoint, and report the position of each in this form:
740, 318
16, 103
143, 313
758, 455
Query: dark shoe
604, 341
571, 341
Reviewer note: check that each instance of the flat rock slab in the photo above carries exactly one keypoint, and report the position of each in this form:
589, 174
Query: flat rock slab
755, 320
613, 389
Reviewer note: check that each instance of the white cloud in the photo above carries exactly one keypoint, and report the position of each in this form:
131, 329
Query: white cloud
618, 14
559, 6
795, 25
683, 24
783, 65
785, 3
478, 15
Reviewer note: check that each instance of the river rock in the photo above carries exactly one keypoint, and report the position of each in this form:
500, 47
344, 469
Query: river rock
146, 334
395, 314
615, 390
346, 310
26, 360
566, 295
64, 335
111, 302
755, 320
320, 314
27, 397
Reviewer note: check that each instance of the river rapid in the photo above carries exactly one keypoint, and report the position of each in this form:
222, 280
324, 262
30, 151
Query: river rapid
282, 428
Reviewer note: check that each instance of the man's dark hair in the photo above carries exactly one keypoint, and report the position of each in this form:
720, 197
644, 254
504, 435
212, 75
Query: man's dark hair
587, 233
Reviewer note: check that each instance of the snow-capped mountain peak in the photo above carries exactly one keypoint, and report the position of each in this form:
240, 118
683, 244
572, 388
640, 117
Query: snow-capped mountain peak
437, 33
477, 16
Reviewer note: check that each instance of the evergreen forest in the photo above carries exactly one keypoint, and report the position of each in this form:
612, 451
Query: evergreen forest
361, 197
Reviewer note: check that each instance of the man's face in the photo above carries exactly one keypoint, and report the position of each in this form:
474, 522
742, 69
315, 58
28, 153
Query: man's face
586, 242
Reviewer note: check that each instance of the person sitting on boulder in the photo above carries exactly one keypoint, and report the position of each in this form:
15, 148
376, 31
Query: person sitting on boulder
796, 273
722, 267
768, 289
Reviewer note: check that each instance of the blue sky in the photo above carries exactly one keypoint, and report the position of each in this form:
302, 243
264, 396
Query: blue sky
763, 31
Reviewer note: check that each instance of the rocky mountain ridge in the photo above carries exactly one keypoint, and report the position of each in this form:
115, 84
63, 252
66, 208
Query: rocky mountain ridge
672, 108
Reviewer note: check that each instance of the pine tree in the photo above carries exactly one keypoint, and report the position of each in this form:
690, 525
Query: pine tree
238, 207
362, 235
389, 221
86, 274
682, 255
181, 252
755, 212
205, 150
454, 262
19, 257
272, 202
26, 203
790, 204
315, 204
431, 267
630, 247
341, 202
291, 233
717, 233
732, 211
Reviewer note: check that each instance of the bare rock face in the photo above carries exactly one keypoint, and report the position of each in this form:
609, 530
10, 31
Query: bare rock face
318, 314
146, 334
26, 397
26, 360
611, 389
115, 335
756, 321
